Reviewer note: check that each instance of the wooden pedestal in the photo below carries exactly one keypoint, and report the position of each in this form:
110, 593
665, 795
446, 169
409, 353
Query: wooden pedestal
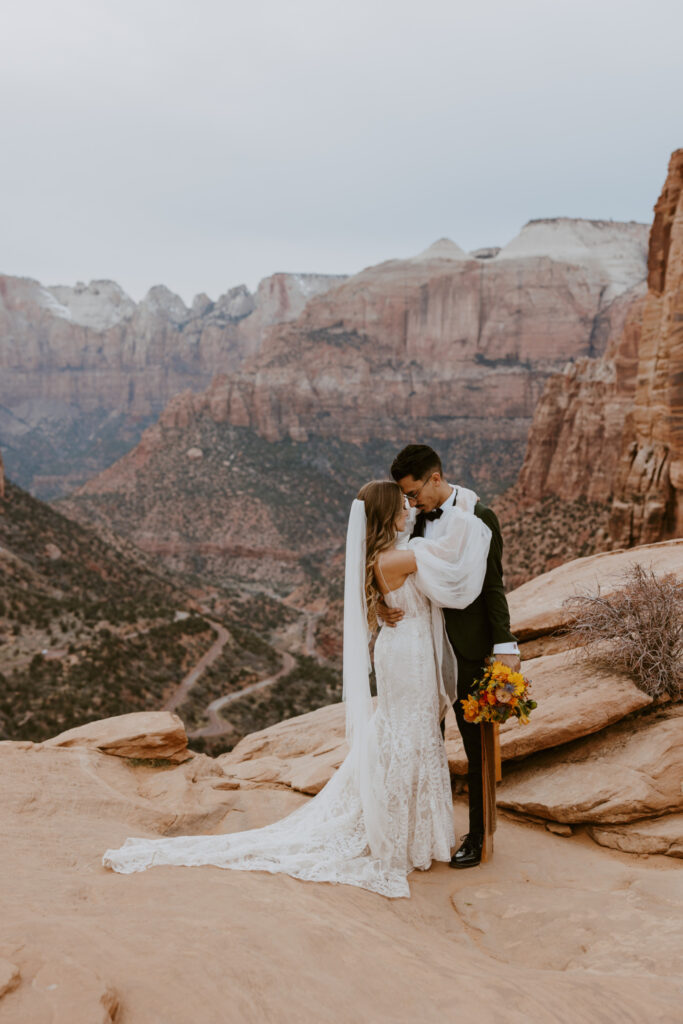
491, 774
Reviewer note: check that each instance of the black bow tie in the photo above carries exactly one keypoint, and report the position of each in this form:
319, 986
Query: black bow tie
435, 514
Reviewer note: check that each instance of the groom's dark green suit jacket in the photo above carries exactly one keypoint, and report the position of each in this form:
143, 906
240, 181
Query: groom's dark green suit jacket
474, 630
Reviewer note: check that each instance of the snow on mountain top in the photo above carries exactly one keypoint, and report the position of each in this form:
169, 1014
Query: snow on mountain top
100, 304
442, 249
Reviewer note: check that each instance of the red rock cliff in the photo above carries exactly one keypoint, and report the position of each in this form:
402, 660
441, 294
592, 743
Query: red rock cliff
431, 344
575, 438
611, 429
648, 498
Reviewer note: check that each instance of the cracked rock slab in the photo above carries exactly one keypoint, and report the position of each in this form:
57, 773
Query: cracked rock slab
536, 608
301, 752
655, 835
632, 770
575, 698
144, 734
10, 976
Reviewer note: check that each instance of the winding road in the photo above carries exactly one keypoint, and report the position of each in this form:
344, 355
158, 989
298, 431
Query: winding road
208, 658
217, 725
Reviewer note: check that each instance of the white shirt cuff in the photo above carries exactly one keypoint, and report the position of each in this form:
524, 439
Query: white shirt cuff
506, 648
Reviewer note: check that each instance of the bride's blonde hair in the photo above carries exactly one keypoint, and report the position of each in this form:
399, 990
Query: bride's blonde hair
383, 500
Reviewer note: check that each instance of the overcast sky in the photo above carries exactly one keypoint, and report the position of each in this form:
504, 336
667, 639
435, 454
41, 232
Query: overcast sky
205, 143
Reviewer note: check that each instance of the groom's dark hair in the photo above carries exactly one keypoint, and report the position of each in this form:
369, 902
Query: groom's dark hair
416, 460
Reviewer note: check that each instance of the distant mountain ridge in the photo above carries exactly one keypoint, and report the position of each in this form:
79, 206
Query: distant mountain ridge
433, 344
252, 477
84, 369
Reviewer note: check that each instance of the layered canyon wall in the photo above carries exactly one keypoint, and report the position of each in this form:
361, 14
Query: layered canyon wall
648, 491
610, 430
442, 342
83, 369
445, 345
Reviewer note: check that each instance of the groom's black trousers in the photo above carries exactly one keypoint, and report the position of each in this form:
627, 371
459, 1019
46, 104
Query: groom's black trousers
468, 671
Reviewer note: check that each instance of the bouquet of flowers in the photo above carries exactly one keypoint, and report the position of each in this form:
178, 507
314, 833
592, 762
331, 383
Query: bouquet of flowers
498, 695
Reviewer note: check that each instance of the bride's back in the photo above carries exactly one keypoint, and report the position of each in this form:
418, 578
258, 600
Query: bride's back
409, 599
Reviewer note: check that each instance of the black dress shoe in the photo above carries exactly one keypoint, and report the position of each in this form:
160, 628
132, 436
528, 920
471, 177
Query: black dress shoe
469, 854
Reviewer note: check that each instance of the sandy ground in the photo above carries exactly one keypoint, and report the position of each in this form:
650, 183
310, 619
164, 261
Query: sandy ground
551, 930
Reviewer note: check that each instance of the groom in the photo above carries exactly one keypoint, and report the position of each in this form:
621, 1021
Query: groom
476, 632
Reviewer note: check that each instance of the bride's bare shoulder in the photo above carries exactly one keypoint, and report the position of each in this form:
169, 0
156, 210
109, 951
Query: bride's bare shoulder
397, 560
390, 557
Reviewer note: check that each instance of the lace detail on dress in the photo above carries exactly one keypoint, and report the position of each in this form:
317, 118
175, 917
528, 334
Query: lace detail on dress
325, 840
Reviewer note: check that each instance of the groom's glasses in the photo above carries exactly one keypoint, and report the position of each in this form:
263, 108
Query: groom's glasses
414, 495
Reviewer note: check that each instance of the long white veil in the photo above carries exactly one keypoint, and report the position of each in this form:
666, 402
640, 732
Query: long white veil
360, 725
356, 648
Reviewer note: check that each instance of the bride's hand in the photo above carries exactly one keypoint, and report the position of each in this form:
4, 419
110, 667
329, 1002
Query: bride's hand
389, 616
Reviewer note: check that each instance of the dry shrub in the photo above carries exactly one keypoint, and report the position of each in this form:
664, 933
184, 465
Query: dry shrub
637, 628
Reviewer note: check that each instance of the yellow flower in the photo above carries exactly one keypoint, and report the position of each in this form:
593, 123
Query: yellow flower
470, 706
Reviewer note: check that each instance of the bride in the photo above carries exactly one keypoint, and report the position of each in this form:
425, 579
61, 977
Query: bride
388, 808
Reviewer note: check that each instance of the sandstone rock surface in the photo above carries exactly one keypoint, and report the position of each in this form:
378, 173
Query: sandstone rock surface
150, 734
650, 835
402, 960
575, 698
536, 608
504, 918
629, 771
301, 752
71, 992
10, 975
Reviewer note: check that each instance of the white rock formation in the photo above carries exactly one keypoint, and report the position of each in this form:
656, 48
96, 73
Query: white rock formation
99, 305
619, 249
442, 249
161, 302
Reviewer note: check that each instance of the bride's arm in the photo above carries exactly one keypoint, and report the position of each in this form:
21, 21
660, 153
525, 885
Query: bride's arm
451, 567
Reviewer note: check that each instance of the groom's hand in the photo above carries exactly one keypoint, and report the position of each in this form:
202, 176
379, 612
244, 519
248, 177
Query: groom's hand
513, 661
389, 616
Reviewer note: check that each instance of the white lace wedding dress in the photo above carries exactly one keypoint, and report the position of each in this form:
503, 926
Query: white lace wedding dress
326, 840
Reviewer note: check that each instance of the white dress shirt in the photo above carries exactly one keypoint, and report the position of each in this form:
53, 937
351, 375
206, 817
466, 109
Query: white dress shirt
432, 529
